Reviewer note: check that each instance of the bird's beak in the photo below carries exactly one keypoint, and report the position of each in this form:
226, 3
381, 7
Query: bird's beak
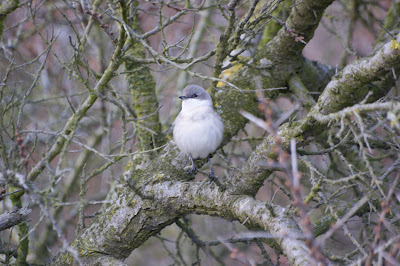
183, 97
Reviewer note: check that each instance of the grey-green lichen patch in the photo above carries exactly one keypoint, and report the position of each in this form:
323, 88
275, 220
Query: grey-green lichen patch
273, 26
5, 8
352, 83
231, 103
145, 104
265, 63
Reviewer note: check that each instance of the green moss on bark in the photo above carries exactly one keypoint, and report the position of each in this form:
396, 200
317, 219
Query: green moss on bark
272, 28
23, 229
6, 7
145, 104
391, 21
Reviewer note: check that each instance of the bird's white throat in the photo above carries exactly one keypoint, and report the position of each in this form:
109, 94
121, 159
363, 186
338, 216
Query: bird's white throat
189, 104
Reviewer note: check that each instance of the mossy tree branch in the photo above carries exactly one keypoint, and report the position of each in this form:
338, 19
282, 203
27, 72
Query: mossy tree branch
6, 7
172, 199
351, 84
23, 229
145, 103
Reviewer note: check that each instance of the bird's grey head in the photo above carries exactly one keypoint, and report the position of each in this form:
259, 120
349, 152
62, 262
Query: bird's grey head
196, 93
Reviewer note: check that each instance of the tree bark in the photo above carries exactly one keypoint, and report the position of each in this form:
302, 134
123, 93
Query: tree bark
13, 217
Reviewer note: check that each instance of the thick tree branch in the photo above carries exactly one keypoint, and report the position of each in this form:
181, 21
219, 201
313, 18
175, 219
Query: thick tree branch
142, 86
282, 55
171, 199
6, 7
13, 217
347, 87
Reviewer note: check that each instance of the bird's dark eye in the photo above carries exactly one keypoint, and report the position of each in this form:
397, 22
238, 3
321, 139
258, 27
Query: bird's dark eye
194, 95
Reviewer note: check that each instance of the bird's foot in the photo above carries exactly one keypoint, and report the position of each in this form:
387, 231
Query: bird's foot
212, 176
192, 170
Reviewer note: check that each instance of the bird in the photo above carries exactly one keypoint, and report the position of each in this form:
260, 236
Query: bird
198, 128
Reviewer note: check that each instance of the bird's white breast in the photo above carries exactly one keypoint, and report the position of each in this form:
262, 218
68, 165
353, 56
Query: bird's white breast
198, 130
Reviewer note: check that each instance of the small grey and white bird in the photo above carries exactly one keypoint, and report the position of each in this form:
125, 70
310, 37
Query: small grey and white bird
198, 128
